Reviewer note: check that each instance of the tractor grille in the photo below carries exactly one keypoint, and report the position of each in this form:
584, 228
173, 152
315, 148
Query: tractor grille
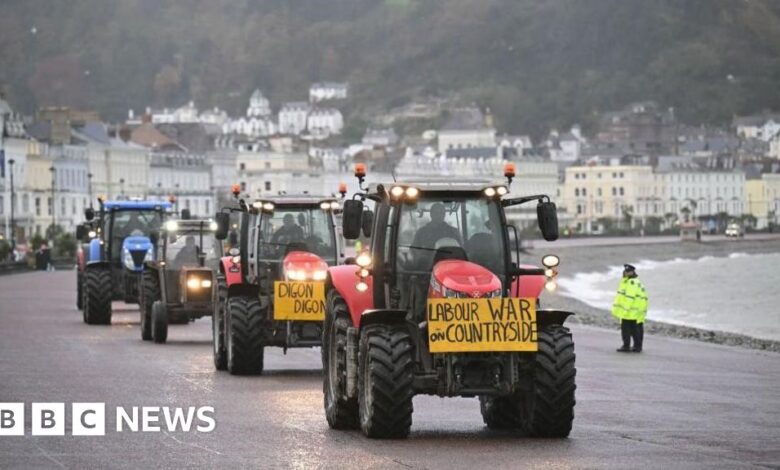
138, 257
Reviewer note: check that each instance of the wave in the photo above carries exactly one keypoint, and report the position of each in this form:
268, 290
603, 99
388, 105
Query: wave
591, 287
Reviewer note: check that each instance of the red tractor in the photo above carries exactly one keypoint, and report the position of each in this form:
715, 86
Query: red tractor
274, 287
438, 305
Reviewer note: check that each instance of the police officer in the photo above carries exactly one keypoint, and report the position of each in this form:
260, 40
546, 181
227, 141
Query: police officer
630, 307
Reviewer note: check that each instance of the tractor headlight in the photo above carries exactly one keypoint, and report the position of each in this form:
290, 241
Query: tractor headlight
92, 234
320, 275
213, 226
551, 285
551, 261
296, 275
396, 191
363, 260
490, 192
235, 260
361, 286
171, 226
128, 260
197, 283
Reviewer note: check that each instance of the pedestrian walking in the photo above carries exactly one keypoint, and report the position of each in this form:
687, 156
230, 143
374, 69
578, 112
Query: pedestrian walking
630, 307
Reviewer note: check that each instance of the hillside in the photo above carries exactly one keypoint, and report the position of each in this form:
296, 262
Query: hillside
534, 62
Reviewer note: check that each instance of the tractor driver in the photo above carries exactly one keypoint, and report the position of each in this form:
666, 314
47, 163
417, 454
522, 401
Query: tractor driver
436, 229
188, 254
288, 232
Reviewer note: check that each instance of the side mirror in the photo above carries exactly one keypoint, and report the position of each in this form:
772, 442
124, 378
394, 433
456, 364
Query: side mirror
81, 232
367, 223
223, 225
547, 214
89, 213
351, 223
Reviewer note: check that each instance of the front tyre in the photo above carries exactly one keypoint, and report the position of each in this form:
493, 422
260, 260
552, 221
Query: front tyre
340, 410
548, 406
385, 381
159, 322
149, 294
97, 293
244, 336
218, 324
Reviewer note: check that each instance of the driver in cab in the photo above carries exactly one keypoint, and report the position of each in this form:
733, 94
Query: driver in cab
288, 232
436, 229
188, 254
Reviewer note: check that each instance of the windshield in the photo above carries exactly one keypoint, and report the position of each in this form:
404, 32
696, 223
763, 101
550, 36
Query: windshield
183, 248
131, 223
466, 228
290, 229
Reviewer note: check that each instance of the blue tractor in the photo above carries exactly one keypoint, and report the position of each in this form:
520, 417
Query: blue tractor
121, 237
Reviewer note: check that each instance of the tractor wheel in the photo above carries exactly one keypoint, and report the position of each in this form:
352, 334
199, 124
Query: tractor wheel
340, 411
159, 322
218, 324
244, 336
547, 408
499, 413
80, 291
97, 290
385, 381
149, 294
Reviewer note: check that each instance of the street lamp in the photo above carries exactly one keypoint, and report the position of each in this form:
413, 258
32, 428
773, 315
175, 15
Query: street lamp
53, 198
13, 220
89, 188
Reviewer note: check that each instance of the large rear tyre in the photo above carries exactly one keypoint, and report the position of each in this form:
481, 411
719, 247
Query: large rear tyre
218, 324
548, 406
159, 322
244, 336
149, 294
340, 410
385, 381
97, 290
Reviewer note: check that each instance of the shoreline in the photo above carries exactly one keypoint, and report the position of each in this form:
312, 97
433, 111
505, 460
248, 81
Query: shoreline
586, 259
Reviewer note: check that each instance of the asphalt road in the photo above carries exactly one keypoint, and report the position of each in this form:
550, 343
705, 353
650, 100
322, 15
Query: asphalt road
678, 405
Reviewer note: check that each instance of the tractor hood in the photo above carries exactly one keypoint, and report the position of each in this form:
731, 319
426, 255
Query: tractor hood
136, 250
304, 266
457, 278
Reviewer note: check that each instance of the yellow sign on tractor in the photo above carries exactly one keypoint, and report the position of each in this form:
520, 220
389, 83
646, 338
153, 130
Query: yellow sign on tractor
299, 300
481, 325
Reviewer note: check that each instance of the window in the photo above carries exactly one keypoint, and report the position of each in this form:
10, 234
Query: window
73, 206
598, 191
267, 185
577, 192
620, 175
584, 192
614, 191
622, 193
579, 209
49, 204
267, 165
208, 207
243, 186
242, 166
26, 204
576, 176
598, 175
614, 175
63, 207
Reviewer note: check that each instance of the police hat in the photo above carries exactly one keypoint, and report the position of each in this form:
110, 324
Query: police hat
629, 267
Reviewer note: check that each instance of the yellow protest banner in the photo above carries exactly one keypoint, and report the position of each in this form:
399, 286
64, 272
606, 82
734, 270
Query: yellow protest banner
482, 325
295, 300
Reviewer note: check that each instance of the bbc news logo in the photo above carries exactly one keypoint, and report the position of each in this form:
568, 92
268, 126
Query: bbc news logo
89, 419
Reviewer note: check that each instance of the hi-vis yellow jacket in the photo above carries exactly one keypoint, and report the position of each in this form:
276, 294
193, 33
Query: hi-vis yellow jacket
631, 300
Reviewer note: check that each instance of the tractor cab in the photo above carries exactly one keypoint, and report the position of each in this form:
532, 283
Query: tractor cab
179, 287
274, 286
441, 303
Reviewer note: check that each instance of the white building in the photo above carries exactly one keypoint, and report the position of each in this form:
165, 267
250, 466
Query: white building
324, 121
258, 105
565, 148
774, 146
328, 91
185, 176
764, 126
380, 137
293, 117
467, 128
118, 168
685, 183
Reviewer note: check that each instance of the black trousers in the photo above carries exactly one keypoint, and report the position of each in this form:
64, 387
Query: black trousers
631, 329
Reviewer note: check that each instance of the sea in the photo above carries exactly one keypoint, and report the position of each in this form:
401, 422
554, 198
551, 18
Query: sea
739, 293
